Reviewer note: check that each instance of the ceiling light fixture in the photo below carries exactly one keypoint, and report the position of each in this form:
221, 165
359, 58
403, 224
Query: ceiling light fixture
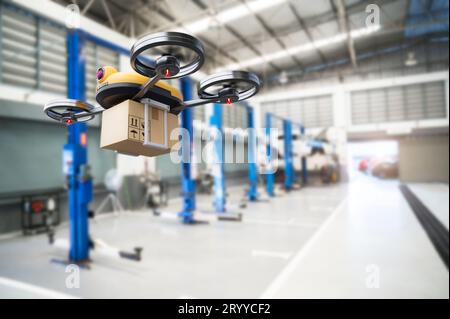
411, 59
283, 78
341, 37
228, 15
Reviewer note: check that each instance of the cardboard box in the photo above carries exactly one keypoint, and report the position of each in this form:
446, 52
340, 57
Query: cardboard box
123, 129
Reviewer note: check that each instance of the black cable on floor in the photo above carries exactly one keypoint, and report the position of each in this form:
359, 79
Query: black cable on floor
435, 230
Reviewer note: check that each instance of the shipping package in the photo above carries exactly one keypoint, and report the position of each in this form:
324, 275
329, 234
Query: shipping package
123, 129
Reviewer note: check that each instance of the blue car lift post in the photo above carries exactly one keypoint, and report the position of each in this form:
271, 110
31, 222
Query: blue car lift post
187, 183
76, 168
75, 151
289, 172
303, 160
218, 171
270, 173
215, 122
252, 193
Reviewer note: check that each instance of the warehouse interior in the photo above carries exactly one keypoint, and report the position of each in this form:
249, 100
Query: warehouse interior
329, 179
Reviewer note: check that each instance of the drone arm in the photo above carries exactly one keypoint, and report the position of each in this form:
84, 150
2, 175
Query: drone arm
194, 103
91, 113
97, 110
146, 87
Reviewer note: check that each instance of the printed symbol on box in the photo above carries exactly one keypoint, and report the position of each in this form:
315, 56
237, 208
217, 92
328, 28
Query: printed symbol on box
141, 124
134, 121
142, 129
133, 134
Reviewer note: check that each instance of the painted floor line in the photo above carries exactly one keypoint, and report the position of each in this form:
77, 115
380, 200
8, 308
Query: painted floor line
36, 290
283, 276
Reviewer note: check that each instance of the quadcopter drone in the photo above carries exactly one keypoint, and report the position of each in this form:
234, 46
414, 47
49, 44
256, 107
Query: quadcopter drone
179, 55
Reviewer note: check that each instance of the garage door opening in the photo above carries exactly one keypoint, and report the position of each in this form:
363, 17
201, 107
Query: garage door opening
376, 159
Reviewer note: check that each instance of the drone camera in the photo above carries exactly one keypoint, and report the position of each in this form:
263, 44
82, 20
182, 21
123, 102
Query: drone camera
103, 73
100, 73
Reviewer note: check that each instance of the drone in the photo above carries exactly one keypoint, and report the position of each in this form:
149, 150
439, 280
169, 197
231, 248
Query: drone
178, 55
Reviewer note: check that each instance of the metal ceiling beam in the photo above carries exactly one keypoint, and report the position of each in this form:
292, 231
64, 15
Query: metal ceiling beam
200, 4
87, 7
349, 71
204, 11
124, 26
314, 21
393, 27
135, 11
108, 14
238, 36
305, 29
215, 47
272, 33
242, 39
208, 43
121, 25
427, 7
162, 12
132, 27
92, 15
344, 25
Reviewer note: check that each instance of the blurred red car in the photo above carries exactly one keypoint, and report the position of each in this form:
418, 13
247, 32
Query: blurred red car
363, 165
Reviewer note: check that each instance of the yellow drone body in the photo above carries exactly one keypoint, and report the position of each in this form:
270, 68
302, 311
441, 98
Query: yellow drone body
114, 87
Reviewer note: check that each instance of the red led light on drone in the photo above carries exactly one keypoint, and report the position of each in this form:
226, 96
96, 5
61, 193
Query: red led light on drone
167, 73
229, 101
69, 121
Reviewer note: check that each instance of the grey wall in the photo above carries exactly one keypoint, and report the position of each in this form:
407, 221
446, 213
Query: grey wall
31, 162
31, 155
424, 159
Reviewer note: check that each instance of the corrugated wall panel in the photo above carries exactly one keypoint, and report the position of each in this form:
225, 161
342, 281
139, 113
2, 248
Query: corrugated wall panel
312, 112
400, 103
33, 53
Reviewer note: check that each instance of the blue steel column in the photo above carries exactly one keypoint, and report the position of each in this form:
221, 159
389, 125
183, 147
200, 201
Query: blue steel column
288, 164
252, 168
304, 164
80, 184
187, 183
269, 175
215, 121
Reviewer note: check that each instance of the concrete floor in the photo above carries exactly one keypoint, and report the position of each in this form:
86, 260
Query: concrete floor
358, 240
